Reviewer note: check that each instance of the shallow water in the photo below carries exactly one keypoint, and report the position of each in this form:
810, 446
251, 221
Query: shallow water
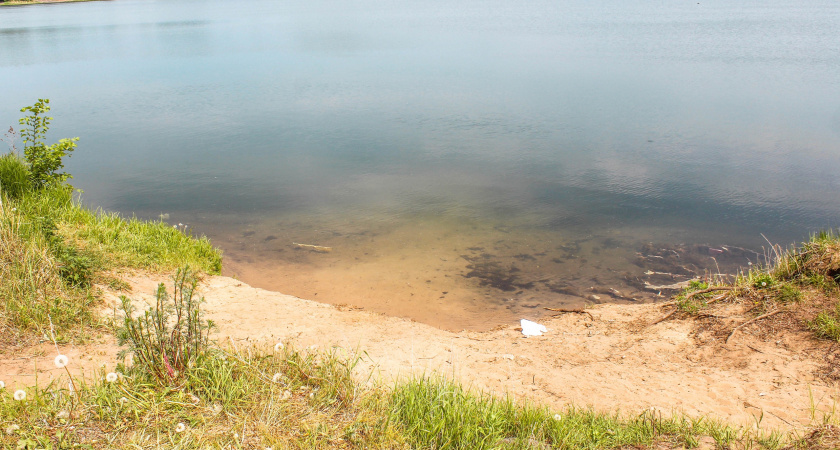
469, 163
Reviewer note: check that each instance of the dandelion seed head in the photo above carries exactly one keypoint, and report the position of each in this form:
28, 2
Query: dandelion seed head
180, 427
2, 385
111, 377
558, 417
61, 361
764, 283
20, 395
278, 346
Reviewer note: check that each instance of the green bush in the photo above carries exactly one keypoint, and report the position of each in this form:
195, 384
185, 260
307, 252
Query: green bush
14, 176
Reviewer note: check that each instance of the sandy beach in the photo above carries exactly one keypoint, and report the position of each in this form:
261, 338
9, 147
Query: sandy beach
609, 359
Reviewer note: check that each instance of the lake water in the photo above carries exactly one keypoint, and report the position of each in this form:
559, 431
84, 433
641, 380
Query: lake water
469, 163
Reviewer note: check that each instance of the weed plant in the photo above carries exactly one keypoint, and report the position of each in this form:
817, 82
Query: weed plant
167, 339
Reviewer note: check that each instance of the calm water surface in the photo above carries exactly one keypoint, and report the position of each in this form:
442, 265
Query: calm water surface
469, 162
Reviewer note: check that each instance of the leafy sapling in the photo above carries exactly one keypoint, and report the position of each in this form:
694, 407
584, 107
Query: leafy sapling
44, 160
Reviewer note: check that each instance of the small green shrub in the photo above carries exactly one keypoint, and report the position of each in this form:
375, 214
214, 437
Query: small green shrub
14, 176
167, 339
74, 267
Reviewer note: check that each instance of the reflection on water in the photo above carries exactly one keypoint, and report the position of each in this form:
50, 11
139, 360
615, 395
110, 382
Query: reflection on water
470, 162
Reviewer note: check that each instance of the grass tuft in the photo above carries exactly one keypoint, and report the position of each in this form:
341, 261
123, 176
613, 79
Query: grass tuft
14, 176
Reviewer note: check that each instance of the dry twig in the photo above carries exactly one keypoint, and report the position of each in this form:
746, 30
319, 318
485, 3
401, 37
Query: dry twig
576, 311
763, 316
668, 316
702, 291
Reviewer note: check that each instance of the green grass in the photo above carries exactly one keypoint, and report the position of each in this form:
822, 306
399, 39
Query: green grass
14, 175
52, 251
115, 241
827, 324
257, 398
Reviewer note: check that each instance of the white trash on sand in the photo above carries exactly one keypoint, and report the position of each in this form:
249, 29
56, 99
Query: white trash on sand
532, 328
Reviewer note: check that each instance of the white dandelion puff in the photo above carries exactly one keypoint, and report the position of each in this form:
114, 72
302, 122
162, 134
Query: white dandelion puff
558, 417
764, 283
2, 385
277, 377
278, 346
12, 428
180, 427
111, 377
20, 395
61, 361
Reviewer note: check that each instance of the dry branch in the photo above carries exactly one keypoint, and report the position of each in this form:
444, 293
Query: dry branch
702, 291
763, 316
575, 311
663, 318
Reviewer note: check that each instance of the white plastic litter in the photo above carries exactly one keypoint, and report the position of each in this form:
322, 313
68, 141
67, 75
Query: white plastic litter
532, 328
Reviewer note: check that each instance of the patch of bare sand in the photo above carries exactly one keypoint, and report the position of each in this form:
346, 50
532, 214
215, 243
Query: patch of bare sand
610, 361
